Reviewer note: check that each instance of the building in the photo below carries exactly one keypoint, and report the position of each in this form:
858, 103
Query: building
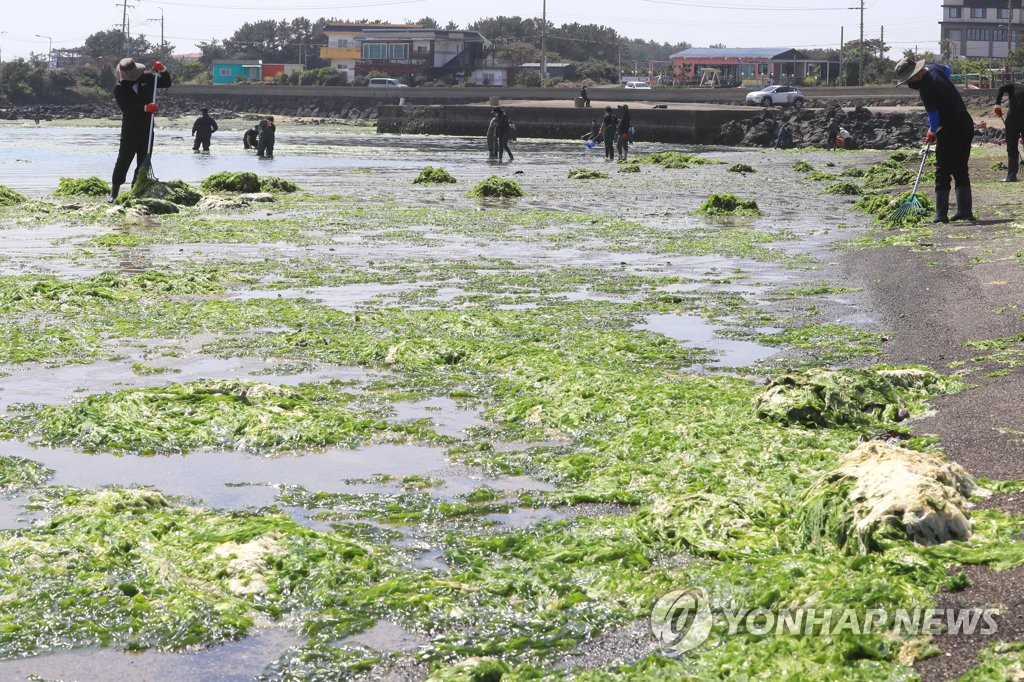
563, 70
227, 71
422, 53
749, 66
980, 29
343, 50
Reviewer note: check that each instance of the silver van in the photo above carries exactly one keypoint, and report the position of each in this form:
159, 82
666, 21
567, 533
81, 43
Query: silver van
386, 83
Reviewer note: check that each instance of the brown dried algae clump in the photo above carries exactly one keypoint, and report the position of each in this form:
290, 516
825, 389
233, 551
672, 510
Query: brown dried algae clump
881, 492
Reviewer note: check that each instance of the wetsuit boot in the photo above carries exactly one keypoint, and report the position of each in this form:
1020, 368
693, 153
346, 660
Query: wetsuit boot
941, 206
964, 204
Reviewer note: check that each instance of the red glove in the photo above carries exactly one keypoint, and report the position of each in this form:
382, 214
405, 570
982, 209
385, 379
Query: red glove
929, 137
159, 67
999, 110
152, 108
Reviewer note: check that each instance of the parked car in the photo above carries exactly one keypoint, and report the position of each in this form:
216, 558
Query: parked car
636, 85
783, 95
386, 83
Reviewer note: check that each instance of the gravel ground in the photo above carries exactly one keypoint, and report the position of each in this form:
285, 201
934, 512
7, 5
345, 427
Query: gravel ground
963, 284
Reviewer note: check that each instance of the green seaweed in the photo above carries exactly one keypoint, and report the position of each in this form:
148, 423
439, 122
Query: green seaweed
844, 188
675, 160
228, 181
884, 207
802, 166
8, 197
17, 473
91, 186
281, 185
233, 415
432, 175
728, 204
587, 174
496, 187
741, 168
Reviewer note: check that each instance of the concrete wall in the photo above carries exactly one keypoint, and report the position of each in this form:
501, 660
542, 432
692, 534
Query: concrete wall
689, 126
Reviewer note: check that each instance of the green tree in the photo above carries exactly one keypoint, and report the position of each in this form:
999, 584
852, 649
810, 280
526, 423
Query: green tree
109, 46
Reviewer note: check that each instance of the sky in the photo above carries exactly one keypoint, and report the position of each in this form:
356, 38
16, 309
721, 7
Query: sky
908, 24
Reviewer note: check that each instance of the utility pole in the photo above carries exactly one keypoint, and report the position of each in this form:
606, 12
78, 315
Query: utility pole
161, 20
881, 45
860, 71
842, 72
3, 34
124, 23
543, 41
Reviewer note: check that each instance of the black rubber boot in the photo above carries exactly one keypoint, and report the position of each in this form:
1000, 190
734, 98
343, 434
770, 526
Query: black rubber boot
964, 204
1010, 177
941, 206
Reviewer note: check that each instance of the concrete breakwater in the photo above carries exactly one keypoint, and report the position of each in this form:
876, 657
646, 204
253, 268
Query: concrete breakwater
679, 126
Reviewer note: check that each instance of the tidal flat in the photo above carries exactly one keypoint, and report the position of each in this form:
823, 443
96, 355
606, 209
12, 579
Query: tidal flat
381, 429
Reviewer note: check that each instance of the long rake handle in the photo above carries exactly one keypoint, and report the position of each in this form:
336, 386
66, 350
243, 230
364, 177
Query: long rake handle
924, 157
152, 117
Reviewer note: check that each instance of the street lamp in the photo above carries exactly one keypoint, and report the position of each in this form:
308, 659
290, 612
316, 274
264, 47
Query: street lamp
49, 52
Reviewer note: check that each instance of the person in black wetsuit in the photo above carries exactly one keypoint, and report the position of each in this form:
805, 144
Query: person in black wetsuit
203, 129
950, 127
134, 95
504, 133
1014, 125
625, 123
251, 137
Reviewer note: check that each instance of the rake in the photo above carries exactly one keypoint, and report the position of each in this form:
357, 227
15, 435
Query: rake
145, 174
911, 206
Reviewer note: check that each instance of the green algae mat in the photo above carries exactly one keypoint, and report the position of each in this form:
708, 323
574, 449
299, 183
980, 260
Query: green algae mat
612, 468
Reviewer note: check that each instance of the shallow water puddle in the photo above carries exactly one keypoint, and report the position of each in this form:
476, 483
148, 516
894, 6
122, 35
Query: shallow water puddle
696, 332
13, 513
238, 661
386, 636
347, 298
54, 386
233, 480
445, 415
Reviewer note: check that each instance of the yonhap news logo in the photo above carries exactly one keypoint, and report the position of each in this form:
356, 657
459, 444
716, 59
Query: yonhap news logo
682, 620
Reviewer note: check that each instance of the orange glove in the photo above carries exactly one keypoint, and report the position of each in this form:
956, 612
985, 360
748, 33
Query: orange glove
159, 67
152, 108
999, 110
929, 137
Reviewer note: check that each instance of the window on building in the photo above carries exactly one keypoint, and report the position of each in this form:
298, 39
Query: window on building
375, 51
225, 72
343, 42
955, 34
982, 34
1003, 13
399, 50
977, 13
955, 12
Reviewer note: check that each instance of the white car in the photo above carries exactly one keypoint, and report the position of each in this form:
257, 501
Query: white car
636, 85
776, 94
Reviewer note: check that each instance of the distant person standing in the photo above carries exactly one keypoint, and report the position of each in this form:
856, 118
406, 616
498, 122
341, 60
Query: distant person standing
492, 137
625, 124
609, 125
265, 143
585, 97
134, 95
504, 133
950, 127
202, 130
1014, 125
